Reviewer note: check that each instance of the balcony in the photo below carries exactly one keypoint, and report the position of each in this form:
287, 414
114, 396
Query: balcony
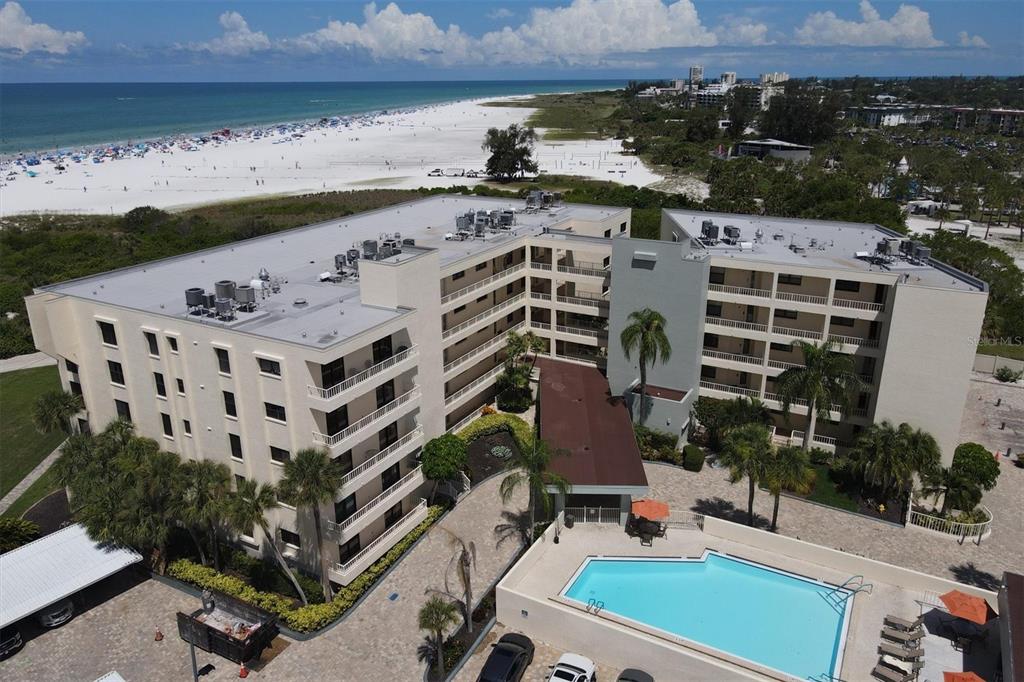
780, 364
835, 410
801, 298
539, 296
492, 346
375, 507
347, 572
735, 324
537, 265
373, 466
739, 291
473, 387
494, 281
585, 269
731, 390
540, 326
732, 357
484, 317
344, 389
585, 301
857, 341
352, 434
796, 333
582, 359
858, 305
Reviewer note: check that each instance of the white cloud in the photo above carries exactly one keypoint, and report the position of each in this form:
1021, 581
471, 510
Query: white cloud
910, 26
742, 30
967, 40
20, 35
500, 13
237, 40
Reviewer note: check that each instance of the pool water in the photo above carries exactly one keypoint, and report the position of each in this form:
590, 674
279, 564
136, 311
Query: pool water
772, 618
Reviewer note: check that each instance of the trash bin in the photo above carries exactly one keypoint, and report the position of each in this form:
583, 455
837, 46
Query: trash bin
570, 520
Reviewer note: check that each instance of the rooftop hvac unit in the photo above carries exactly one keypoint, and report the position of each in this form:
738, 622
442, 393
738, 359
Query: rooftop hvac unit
507, 218
907, 247
209, 301
779, 237
370, 249
923, 253
194, 297
245, 294
225, 288
340, 261
882, 247
224, 308
264, 274
463, 222
408, 242
731, 232
709, 230
892, 245
385, 251
352, 255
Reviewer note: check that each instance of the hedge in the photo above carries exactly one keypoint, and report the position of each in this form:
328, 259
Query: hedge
313, 616
693, 458
496, 423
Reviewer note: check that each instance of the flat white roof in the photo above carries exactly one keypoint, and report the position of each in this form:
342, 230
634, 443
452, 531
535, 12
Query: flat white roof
54, 567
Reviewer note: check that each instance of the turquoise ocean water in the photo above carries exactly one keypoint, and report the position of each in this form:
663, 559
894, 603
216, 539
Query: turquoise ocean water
47, 116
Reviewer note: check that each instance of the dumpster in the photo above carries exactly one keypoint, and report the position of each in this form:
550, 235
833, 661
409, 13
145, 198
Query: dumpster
228, 627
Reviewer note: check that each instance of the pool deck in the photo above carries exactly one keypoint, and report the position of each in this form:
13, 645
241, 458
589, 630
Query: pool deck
545, 575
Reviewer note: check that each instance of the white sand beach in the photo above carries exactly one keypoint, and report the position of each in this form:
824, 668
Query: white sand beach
395, 150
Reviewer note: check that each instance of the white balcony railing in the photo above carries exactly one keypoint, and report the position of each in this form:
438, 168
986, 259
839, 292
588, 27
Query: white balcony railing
540, 296
333, 440
801, 298
737, 390
955, 529
579, 300
779, 364
853, 340
382, 543
594, 360
486, 315
742, 291
382, 456
580, 331
485, 348
537, 265
858, 305
736, 324
746, 359
379, 502
474, 385
457, 426
543, 326
339, 388
477, 286
799, 333
588, 271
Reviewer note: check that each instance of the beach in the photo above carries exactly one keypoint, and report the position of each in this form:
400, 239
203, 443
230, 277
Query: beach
396, 150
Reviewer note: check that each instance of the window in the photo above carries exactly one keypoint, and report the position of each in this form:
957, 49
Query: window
229, 404
385, 393
391, 476
795, 280
716, 276
291, 538
344, 461
168, 429
843, 321
116, 372
123, 410
382, 349
608, 234
83, 427
75, 387
784, 347
711, 340
332, 373
458, 309
187, 425
847, 285
223, 361
509, 288
458, 275
707, 372
72, 367
622, 227
161, 388
713, 309
786, 314
108, 333
279, 455
510, 317
275, 411
393, 515
236, 445
349, 550
269, 366
481, 266
154, 349
173, 343
481, 299
387, 435
345, 508
337, 421
181, 386
239, 480
862, 401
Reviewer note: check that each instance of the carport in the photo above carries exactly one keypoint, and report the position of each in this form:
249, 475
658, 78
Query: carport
53, 568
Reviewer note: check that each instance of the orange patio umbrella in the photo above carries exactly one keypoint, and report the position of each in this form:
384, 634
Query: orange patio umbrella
650, 509
948, 676
968, 607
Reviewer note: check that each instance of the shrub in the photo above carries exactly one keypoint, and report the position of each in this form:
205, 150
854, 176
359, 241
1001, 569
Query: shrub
496, 423
454, 650
16, 532
693, 458
657, 446
303, 618
267, 576
1007, 375
821, 456
444, 457
486, 410
514, 401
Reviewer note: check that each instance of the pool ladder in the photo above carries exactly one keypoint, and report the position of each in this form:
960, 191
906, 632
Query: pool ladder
595, 605
838, 596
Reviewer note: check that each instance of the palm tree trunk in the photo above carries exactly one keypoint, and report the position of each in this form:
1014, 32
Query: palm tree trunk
284, 564
775, 512
643, 390
533, 522
750, 502
214, 546
199, 545
464, 561
812, 421
325, 579
440, 653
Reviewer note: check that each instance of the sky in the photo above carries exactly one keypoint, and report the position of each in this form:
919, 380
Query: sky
297, 40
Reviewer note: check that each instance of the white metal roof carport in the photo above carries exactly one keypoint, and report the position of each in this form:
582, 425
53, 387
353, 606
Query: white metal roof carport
55, 567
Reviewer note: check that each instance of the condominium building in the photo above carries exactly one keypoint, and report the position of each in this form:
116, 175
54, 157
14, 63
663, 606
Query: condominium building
365, 335
696, 74
1003, 121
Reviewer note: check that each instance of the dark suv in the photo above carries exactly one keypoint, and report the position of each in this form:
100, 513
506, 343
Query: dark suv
509, 659
10, 640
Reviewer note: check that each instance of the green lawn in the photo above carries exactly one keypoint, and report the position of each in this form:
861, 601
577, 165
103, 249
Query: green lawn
44, 485
571, 116
23, 446
1003, 351
826, 490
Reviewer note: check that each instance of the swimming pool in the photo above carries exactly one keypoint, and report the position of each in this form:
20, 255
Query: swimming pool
769, 617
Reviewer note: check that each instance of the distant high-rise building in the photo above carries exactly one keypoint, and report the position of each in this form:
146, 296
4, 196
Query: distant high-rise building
728, 78
774, 78
696, 74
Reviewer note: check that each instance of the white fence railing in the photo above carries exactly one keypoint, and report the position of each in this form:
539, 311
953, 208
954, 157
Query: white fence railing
339, 388
413, 476
801, 298
477, 286
457, 426
683, 518
579, 331
737, 390
746, 359
486, 315
474, 385
577, 270
853, 340
594, 514
484, 348
332, 440
799, 333
955, 529
736, 324
857, 305
382, 455
742, 291
399, 529
579, 300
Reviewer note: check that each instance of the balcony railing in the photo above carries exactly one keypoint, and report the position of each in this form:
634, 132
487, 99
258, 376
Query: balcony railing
477, 286
487, 314
339, 388
543, 326
801, 298
391, 535
454, 428
799, 333
537, 265
483, 349
381, 456
747, 359
580, 331
540, 296
742, 291
779, 364
332, 440
583, 270
858, 305
736, 324
853, 340
474, 385
738, 390
580, 300
595, 360
362, 512
803, 403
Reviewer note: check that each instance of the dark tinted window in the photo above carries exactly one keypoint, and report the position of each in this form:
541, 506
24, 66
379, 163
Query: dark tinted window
229, 404
236, 445
154, 349
173, 343
345, 508
123, 411
349, 549
223, 361
291, 538
108, 333
166, 419
188, 426
279, 454
275, 411
161, 388
847, 285
116, 372
72, 366
181, 386
269, 366
791, 279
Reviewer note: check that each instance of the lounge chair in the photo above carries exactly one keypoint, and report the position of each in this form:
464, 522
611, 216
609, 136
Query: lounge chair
905, 666
904, 624
884, 672
899, 652
902, 636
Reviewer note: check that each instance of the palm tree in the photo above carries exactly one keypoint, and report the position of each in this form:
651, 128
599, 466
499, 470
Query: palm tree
746, 451
247, 508
826, 379
436, 616
311, 479
888, 457
54, 409
530, 469
534, 346
206, 485
789, 469
645, 336
464, 560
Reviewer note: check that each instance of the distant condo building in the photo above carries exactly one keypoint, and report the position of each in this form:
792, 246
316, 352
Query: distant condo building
1002, 121
889, 115
728, 78
696, 74
368, 335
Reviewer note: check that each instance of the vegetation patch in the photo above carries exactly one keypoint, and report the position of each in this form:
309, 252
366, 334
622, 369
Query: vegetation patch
495, 423
24, 446
657, 446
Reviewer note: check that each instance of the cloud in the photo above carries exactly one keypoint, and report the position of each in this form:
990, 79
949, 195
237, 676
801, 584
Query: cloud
500, 13
967, 40
910, 26
20, 35
237, 40
742, 30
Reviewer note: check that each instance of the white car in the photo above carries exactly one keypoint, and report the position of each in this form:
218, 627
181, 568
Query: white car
573, 668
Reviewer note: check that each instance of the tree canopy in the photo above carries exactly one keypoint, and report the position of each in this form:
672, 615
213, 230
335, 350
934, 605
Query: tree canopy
511, 152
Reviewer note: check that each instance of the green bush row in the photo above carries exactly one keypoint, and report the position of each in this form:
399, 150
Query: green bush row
657, 446
313, 616
693, 458
495, 423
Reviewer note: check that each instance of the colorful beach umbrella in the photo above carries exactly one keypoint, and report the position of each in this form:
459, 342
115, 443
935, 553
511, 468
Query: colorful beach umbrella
968, 607
650, 509
948, 676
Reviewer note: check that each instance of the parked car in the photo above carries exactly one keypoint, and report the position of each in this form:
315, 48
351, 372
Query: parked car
508, 660
10, 640
573, 668
56, 614
634, 675
436, 173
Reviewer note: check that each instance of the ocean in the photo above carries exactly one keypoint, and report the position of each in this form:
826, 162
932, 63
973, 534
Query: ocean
48, 116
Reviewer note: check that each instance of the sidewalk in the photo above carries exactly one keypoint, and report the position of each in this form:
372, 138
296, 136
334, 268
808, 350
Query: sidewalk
26, 362
31, 478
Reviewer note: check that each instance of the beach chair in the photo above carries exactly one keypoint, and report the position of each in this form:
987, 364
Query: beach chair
899, 652
902, 636
904, 624
884, 672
